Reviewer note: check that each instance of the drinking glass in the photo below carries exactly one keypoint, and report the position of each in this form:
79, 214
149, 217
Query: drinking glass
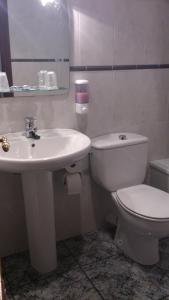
51, 80
42, 78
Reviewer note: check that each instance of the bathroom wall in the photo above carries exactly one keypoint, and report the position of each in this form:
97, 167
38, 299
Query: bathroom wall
109, 32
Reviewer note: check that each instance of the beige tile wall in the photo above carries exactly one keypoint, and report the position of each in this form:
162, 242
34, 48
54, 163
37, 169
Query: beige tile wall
102, 32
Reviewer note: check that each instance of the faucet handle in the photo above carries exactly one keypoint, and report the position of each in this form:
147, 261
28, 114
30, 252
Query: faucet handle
5, 144
29, 119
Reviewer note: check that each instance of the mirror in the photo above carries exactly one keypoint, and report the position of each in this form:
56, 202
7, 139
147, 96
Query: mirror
39, 41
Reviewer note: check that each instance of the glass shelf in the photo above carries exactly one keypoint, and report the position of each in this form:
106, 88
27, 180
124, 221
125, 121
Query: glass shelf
34, 90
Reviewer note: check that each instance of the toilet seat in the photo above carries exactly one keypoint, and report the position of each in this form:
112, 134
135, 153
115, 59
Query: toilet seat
145, 202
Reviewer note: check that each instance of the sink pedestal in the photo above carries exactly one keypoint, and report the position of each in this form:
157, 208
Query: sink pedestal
55, 149
40, 219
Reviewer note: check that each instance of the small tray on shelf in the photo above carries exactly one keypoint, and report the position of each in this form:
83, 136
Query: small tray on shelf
33, 89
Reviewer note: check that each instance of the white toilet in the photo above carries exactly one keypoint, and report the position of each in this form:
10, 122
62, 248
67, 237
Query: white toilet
118, 163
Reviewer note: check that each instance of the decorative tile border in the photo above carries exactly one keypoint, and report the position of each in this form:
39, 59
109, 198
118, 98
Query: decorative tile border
95, 68
39, 60
118, 67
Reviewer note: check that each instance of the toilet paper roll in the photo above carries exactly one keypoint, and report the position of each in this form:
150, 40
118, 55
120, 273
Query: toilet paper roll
73, 183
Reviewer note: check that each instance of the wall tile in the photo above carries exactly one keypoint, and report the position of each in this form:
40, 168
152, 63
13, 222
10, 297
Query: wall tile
102, 32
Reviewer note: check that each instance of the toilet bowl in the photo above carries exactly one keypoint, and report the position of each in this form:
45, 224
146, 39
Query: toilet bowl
119, 165
141, 226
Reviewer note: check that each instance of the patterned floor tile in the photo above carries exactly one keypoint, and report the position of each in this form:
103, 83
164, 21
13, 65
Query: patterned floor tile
92, 247
101, 235
111, 277
164, 254
71, 285
164, 245
151, 282
18, 271
164, 261
9, 297
121, 278
90, 267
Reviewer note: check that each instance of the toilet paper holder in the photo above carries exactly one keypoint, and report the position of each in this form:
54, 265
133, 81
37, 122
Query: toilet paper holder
79, 166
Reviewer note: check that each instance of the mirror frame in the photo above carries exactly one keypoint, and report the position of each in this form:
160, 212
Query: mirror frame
5, 52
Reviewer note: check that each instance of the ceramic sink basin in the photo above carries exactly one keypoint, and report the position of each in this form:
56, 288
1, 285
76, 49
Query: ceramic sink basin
55, 149
35, 160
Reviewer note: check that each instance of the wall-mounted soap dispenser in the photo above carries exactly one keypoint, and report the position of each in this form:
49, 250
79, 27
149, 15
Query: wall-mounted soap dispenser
81, 96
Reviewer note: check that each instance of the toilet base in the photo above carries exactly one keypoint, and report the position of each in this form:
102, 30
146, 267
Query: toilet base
141, 248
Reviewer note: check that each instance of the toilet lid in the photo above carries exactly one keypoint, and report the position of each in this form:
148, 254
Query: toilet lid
145, 201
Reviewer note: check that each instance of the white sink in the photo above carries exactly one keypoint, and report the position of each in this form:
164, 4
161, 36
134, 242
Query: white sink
55, 149
35, 160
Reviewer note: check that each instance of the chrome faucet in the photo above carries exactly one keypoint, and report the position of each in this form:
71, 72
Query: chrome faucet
31, 128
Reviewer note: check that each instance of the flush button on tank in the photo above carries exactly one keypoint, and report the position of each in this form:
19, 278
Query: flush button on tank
122, 137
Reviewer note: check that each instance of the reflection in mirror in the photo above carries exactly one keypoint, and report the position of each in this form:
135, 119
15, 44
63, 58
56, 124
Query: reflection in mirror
39, 41
47, 2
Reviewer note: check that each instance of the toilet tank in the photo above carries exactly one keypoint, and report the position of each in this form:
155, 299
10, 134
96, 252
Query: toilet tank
119, 160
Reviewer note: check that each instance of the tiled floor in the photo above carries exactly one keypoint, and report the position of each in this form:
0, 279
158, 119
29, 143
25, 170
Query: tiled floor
90, 268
